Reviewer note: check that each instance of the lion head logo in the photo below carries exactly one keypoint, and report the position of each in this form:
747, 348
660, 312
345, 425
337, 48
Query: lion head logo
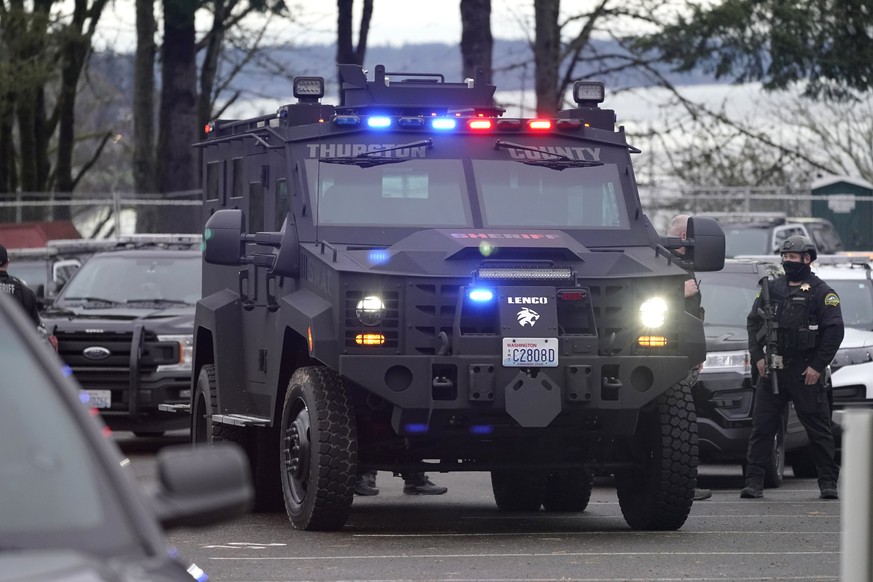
527, 316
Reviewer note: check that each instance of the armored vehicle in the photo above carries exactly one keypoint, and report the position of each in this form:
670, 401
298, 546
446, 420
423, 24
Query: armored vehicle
410, 281
124, 327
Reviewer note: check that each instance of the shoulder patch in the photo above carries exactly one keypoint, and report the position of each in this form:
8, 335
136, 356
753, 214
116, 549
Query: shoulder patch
832, 299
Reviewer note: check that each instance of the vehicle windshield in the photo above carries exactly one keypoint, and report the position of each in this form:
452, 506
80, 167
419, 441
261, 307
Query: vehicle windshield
746, 241
517, 194
856, 301
433, 193
119, 279
727, 299
54, 492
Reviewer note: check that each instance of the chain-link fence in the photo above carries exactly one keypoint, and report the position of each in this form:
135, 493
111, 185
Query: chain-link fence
106, 215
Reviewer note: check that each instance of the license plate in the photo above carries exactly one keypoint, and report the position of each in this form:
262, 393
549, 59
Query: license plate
97, 398
540, 352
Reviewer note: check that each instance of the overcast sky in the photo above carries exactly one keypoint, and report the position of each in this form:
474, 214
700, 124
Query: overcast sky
394, 22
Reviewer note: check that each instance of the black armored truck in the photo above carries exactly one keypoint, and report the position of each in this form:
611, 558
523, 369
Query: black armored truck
411, 281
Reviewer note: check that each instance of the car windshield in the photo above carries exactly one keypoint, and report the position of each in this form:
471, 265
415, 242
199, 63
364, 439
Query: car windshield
746, 241
856, 301
727, 299
54, 493
118, 279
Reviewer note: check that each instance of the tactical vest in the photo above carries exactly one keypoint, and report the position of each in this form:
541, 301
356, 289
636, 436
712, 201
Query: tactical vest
796, 314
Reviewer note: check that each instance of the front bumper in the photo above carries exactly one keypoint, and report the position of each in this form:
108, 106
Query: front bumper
723, 401
432, 393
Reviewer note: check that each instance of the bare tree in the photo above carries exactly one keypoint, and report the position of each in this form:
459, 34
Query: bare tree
476, 41
346, 51
144, 98
547, 55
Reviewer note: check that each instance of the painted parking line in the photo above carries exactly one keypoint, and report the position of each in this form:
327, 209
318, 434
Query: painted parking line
520, 555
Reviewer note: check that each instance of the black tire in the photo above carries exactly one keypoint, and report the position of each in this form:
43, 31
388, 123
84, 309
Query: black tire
517, 490
262, 450
658, 495
202, 406
568, 491
803, 464
148, 433
319, 450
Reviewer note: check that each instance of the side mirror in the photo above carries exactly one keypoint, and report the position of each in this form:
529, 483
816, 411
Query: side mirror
222, 238
288, 254
202, 486
707, 254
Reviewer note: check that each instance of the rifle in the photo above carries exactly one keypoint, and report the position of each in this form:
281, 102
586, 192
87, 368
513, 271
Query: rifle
768, 335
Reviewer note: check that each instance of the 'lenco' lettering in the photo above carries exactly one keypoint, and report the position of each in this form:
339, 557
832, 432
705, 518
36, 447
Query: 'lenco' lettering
346, 150
491, 235
572, 153
527, 300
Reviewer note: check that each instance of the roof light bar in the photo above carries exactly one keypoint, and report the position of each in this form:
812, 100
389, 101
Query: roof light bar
347, 120
411, 122
508, 124
526, 273
480, 124
443, 123
540, 124
379, 122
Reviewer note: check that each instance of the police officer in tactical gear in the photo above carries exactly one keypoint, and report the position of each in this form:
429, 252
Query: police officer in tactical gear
15, 287
809, 332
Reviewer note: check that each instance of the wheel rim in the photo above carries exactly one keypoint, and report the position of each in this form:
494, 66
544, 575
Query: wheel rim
296, 447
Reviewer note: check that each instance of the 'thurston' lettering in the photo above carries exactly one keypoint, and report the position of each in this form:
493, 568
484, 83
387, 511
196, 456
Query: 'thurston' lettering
347, 150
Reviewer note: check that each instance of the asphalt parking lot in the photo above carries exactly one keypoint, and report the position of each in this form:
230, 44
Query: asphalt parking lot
789, 535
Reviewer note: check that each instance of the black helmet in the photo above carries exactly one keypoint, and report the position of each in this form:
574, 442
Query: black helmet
798, 244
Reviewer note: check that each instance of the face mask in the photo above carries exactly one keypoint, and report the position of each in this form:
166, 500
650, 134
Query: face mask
796, 271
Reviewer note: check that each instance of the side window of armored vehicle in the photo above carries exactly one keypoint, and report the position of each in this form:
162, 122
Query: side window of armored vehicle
256, 207
238, 178
515, 194
428, 193
282, 203
213, 181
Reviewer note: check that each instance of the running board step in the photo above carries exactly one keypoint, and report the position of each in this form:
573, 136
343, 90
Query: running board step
175, 408
240, 420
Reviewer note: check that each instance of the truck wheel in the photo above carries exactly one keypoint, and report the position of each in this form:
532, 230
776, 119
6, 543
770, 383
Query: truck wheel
319, 450
659, 494
776, 466
201, 407
517, 490
568, 491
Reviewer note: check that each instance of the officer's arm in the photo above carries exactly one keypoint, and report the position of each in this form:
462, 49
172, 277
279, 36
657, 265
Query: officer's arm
754, 321
831, 329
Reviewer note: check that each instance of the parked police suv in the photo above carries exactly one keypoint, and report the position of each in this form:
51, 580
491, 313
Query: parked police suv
124, 327
410, 281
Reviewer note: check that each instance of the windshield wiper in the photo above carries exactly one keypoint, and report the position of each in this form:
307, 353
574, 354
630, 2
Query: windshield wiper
363, 160
92, 300
560, 161
561, 164
159, 301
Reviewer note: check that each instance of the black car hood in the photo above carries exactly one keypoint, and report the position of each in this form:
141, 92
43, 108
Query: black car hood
178, 318
72, 566
725, 338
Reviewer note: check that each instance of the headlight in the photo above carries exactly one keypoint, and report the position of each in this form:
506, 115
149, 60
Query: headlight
186, 353
739, 362
653, 312
848, 356
370, 310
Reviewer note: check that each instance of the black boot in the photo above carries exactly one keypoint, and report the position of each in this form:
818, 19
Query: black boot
754, 488
828, 490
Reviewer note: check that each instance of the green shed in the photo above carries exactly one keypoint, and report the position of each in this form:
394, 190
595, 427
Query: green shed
848, 203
